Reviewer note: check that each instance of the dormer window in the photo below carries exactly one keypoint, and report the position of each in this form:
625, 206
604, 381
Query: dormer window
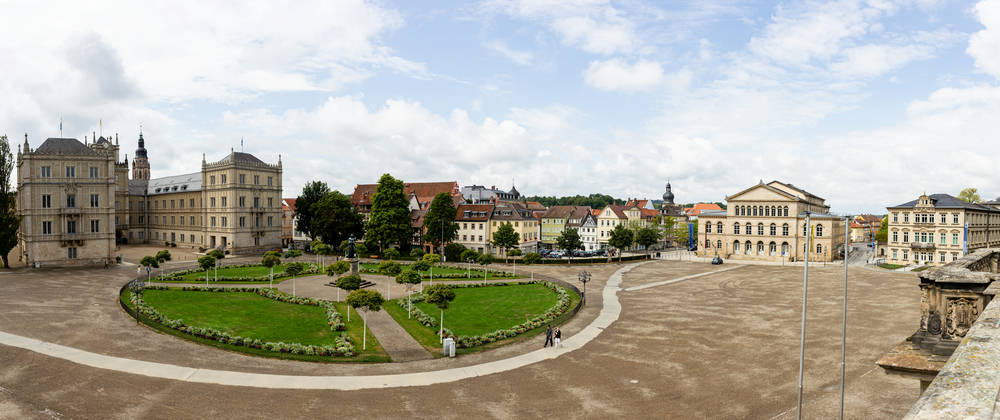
157, 190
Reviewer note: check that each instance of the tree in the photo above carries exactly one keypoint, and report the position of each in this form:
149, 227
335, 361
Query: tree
970, 195
506, 238
431, 258
149, 262
217, 255
322, 250
469, 255
416, 253
205, 262
162, 257
409, 278
292, 253
440, 295
366, 301
439, 223
389, 268
484, 260
350, 283
621, 238
681, 234
669, 228
390, 253
883, 230
569, 240
389, 221
9, 221
515, 252
295, 268
334, 219
647, 236
270, 260
531, 258
312, 193
338, 268
453, 251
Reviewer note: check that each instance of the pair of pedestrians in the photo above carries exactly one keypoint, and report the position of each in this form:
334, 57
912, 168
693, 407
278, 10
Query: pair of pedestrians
552, 338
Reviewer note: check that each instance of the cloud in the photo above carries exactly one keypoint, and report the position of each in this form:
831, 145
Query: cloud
984, 46
595, 26
522, 58
616, 74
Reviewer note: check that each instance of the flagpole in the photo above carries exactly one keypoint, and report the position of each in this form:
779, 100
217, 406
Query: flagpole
805, 289
843, 335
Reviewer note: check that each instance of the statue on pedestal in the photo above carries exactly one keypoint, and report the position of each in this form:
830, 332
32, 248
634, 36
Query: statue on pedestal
352, 254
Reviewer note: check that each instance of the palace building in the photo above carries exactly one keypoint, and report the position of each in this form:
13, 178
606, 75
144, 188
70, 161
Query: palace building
77, 203
937, 229
768, 222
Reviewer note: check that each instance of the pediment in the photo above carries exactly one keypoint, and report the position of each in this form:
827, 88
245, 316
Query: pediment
761, 192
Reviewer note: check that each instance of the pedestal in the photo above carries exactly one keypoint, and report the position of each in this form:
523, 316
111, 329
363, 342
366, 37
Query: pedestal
354, 266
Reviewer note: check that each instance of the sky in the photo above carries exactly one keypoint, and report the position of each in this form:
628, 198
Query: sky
864, 103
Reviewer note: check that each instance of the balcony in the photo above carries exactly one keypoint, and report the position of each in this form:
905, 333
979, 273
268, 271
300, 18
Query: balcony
70, 211
922, 245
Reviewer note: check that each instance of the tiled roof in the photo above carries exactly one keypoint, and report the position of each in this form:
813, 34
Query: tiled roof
648, 213
945, 201
618, 211
700, 207
512, 211
559, 212
476, 212
290, 202
64, 146
425, 191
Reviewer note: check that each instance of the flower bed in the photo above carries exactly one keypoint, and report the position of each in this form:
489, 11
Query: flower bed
342, 344
179, 275
562, 305
464, 275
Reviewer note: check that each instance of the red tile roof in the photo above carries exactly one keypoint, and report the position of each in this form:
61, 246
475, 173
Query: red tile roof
485, 209
700, 207
648, 213
291, 203
424, 191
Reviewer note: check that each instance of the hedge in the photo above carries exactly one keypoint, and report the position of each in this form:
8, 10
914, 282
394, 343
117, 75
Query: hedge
178, 275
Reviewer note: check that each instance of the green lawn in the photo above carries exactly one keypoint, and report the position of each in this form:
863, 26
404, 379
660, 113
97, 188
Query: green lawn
476, 273
252, 271
481, 310
251, 315
919, 269
891, 266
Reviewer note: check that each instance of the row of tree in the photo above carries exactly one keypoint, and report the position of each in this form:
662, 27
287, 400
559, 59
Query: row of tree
9, 222
597, 201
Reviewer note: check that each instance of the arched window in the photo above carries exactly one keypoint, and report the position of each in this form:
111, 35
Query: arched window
718, 244
767, 211
786, 211
736, 228
760, 229
819, 230
805, 230
760, 248
736, 247
747, 247
708, 228
742, 210
784, 248
749, 228
718, 227
772, 249
784, 229
754, 210
774, 229
819, 248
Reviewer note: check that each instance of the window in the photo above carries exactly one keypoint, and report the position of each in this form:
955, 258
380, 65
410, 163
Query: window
243, 221
270, 202
270, 220
256, 179
943, 221
211, 202
944, 240
243, 178
70, 172
93, 172
954, 218
181, 204
819, 230
71, 226
895, 219
173, 220
906, 237
819, 248
954, 239
784, 229
270, 181
71, 253
708, 228
212, 221
223, 202
906, 219
895, 236
786, 211
94, 200
46, 172
46, 201
718, 227
805, 230
191, 220
46, 228
954, 256
256, 202
223, 179
223, 221
182, 237
760, 229
942, 254
211, 180
171, 203
95, 226
767, 211
894, 255
243, 201
182, 221
774, 229
748, 228
754, 210
70, 200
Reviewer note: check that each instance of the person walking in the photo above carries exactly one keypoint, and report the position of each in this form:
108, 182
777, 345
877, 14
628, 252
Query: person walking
548, 336
558, 337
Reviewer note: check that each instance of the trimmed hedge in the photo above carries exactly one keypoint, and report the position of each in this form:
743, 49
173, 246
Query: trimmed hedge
342, 344
561, 306
179, 275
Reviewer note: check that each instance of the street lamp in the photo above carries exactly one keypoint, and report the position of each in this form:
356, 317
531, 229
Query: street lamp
584, 277
137, 287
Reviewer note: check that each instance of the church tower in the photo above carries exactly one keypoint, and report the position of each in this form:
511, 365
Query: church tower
140, 164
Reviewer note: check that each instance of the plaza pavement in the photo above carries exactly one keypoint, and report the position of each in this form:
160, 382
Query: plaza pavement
722, 345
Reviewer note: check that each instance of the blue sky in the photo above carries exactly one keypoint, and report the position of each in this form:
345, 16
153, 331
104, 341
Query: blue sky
866, 104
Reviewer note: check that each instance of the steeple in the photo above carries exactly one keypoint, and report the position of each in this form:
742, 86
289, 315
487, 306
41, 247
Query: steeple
140, 163
668, 196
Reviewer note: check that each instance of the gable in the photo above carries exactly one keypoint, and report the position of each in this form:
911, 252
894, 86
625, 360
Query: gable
761, 192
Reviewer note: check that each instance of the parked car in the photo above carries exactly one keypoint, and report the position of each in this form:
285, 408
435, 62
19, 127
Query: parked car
717, 260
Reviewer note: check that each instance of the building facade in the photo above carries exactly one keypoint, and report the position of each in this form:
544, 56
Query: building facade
474, 226
937, 229
66, 202
476, 194
767, 222
609, 217
521, 219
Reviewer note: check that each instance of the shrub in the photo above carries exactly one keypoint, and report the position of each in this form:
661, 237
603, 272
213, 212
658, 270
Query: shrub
453, 251
431, 258
514, 253
420, 266
416, 253
389, 268
390, 254
339, 267
469, 255
293, 253
532, 258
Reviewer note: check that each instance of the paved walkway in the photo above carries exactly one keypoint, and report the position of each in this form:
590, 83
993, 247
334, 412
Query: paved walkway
665, 282
609, 313
394, 339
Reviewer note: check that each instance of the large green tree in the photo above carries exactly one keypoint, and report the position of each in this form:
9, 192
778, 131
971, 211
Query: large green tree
389, 220
883, 230
439, 223
334, 219
569, 240
647, 236
970, 195
312, 193
621, 238
9, 221
505, 237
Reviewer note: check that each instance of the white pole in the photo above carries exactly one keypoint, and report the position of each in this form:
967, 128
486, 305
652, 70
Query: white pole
441, 329
802, 340
364, 332
409, 307
271, 281
843, 334
293, 286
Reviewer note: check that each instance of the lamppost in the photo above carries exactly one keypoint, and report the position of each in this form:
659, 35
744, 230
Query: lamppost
584, 277
137, 287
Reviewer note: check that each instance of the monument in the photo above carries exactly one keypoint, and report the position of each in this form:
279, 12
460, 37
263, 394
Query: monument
352, 254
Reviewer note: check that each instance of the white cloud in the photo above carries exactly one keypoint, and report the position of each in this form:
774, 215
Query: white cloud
616, 74
984, 46
522, 58
594, 26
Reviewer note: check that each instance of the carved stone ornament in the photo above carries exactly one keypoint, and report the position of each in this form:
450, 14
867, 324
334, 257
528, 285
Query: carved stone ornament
962, 312
934, 323
924, 308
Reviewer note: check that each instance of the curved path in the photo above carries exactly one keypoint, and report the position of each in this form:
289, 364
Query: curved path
609, 313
